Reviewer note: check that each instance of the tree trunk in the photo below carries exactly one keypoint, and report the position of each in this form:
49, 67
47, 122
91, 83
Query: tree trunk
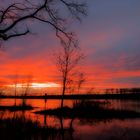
63, 91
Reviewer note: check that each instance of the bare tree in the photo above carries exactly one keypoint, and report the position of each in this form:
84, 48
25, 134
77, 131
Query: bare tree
15, 17
15, 83
67, 60
26, 87
76, 81
80, 81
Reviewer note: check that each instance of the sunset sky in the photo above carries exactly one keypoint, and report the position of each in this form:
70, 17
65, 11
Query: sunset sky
109, 36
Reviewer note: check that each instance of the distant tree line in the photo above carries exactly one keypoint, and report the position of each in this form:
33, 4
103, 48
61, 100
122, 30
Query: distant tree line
122, 91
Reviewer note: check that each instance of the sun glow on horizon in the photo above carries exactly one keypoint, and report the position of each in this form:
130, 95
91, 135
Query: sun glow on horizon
35, 85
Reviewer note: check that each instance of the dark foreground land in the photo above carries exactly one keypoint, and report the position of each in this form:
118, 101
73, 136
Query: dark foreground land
90, 110
67, 112
16, 108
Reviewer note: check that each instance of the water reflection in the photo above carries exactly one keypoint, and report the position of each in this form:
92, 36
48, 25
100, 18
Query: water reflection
69, 129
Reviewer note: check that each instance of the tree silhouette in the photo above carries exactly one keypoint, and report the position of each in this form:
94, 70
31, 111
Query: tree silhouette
15, 17
81, 80
67, 59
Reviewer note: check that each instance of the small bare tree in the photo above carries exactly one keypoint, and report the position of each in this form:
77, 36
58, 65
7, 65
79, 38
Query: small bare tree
80, 82
76, 81
67, 60
26, 87
15, 84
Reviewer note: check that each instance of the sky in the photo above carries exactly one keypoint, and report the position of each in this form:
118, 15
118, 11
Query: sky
108, 36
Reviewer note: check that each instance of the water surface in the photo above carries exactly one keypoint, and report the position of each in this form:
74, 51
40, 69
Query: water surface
84, 129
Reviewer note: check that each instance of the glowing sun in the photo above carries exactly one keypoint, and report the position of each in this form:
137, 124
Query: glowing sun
35, 85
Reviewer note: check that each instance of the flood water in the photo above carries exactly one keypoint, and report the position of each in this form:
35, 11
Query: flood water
84, 129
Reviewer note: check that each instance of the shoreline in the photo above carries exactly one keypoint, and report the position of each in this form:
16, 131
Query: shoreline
79, 96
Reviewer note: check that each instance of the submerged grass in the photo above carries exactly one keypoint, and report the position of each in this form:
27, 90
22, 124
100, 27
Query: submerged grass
19, 128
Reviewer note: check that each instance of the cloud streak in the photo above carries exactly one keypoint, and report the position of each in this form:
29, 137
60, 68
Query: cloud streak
109, 36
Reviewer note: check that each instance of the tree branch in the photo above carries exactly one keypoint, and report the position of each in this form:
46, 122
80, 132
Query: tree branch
15, 35
18, 12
